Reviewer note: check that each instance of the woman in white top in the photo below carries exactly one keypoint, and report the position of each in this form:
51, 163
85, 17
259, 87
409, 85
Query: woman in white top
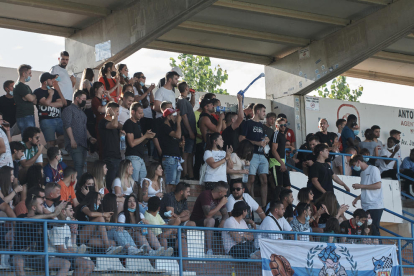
217, 160
153, 184
124, 184
241, 158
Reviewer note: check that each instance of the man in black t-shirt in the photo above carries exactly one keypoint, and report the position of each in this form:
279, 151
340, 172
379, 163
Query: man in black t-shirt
157, 123
135, 141
286, 197
8, 107
321, 174
354, 226
109, 133
233, 120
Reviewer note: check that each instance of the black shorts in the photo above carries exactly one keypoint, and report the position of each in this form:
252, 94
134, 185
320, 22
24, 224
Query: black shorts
200, 222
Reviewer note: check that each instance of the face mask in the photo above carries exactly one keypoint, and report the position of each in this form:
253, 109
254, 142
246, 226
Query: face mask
61, 159
48, 87
366, 159
307, 219
124, 76
369, 221
27, 79
55, 200
58, 78
392, 148
11, 93
96, 206
132, 210
141, 83
357, 168
356, 131
113, 74
82, 104
359, 223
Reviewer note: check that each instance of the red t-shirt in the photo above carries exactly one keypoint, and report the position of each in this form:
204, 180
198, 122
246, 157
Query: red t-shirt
96, 103
112, 83
290, 137
204, 199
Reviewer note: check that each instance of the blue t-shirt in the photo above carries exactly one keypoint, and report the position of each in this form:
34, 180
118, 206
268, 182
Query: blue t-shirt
52, 175
407, 164
345, 134
254, 131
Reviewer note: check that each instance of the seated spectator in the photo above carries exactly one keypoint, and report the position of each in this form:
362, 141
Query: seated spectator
370, 231
286, 197
153, 184
60, 241
208, 204
396, 134
93, 235
321, 174
7, 192
340, 124
67, 184
329, 203
8, 107
369, 143
54, 169
146, 239
85, 184
216, 161
354, 226
99, 171
239, 245
20, 208
52, 193
5, 152
337, 163
34, 177
238, 194
70, 215
33, 147
332, 227
388, 168
275, 221
241, 161
300, 223
174, 205
17, 151
407, 168
305, 195
124, 184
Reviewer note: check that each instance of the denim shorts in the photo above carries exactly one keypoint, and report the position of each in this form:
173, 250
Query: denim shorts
25, 122
259, 165
172, 175
189, 145
140, 171
51, 126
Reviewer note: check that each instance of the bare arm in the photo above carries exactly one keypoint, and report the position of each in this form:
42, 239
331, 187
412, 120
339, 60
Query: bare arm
177, 132
240, 113
113, 124
192, 99
261, 213
157, 106
212, 164
210, 213
2, 146
145, 185
31, 161
340, 182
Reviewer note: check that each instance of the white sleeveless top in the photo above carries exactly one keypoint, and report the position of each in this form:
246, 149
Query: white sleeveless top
151, 191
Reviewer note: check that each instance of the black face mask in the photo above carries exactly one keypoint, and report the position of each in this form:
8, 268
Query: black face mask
55, 200
82, 104
113, 74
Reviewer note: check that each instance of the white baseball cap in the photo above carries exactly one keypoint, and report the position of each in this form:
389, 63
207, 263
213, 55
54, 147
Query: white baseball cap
178, 70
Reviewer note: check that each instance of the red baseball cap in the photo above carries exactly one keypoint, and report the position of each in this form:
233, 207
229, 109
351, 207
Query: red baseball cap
168, 112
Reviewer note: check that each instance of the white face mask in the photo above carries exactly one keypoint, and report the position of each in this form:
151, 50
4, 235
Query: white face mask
392, 148
369, 221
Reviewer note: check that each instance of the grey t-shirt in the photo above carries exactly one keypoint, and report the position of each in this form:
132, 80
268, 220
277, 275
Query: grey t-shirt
369, 146
186, 108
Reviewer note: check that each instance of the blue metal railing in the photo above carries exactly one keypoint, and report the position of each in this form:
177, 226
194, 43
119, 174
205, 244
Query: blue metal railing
180, 229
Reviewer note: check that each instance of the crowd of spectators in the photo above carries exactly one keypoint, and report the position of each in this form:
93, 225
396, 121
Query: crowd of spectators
145, 144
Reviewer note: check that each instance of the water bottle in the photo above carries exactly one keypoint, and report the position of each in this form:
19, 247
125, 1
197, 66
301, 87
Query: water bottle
144, 230
123, 143
245, 176
104, 101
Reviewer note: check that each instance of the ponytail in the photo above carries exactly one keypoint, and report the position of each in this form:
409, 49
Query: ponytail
211, 137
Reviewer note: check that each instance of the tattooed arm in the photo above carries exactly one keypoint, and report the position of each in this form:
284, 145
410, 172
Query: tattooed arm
144, 191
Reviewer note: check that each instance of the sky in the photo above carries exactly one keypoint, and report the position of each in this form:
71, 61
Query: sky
41, 52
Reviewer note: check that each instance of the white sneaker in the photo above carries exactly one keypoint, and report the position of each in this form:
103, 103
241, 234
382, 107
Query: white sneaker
210, 252
132, 250
81, 249
144, 249
64, 152
159, 252
5, 262
169, 252
113, 250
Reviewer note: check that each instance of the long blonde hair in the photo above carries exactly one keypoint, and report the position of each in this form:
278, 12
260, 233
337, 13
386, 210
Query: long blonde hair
123, 167
98, 174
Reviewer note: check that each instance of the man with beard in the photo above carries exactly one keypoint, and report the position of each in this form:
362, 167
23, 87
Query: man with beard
166, 93
52, 194
32, 147
66, 82
238, 194
233, 121
325, 137
207, 123
76, 133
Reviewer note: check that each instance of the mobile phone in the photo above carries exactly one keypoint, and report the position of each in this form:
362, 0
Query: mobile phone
6, 124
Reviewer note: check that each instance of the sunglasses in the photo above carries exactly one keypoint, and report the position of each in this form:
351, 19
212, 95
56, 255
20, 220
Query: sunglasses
236, 189
143, 77
283, 125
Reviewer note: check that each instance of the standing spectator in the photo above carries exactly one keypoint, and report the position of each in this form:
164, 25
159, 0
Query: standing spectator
166, 93
76, 134
290, 135
377, 133
233, 121
109, 133
340, 124
66, 82
87, 80
248, 111
158, 122
188, 129
286, 197
277, 158
99, 172
348, 134
124, 113
337, 165
371, 190
217, 161
325, 137
67, 186
24, 98
136, 141
49, 103
122, 75
253, 131
207, 122
170, 142
107, 76
175, 69
8, 107
388, 168
153, 185
321, 174
241, 159
369, 143
5, 152
54, 169
275, 221
407, 167
33, 147
209, 203
270, 123
300, 223
88, 87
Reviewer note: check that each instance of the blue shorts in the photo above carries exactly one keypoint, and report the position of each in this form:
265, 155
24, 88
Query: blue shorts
172, 174
25, 122
189, 145
259, 165
51, 126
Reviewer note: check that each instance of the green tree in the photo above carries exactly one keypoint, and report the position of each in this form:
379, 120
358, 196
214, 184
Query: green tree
340, 90
199, 75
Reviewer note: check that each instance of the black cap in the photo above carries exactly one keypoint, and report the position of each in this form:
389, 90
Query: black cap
205, 102
281, 115
46, 76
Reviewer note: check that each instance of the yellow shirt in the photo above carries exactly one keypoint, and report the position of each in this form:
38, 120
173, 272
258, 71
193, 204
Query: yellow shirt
197, 116
157, 220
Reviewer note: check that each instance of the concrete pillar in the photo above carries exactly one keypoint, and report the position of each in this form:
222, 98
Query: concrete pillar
310, 67
129, 30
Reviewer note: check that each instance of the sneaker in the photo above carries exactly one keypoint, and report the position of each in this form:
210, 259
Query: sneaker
64, 152
112, 250
132, 250
159, 252
210, 252
169, 252
82, 249
144, 249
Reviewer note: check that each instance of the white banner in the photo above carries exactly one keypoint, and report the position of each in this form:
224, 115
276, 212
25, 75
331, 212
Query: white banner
298, 258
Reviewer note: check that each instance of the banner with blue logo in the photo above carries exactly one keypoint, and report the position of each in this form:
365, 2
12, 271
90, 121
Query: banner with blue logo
299, 258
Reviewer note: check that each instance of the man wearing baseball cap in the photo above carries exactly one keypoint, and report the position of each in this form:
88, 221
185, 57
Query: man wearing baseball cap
50, 100
170, 142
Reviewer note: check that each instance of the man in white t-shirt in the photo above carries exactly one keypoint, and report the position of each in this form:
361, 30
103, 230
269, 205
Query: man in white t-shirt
276, 212
388, 168
166, 92
371, 190
124, 114
66, 82
238, 194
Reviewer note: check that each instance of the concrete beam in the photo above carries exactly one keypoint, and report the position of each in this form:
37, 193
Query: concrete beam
374, 2
269, 10
244, 33
306, 70
211, 52
129, 29
376, 76
40, 28
63, 6
394, 57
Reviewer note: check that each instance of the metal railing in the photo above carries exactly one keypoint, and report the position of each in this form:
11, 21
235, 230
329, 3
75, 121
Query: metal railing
253, 265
